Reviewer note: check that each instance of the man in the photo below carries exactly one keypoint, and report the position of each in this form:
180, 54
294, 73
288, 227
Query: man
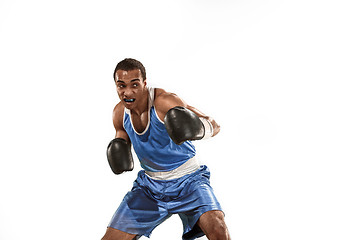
160, 125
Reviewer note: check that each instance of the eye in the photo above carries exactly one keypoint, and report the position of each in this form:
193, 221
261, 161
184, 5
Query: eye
135, 85
121, 86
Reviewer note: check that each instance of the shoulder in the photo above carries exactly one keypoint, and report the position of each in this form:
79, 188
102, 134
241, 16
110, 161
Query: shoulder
164, 101
118, 109
167, 99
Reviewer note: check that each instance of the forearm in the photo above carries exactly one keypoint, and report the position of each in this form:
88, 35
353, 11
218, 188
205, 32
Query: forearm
215, 125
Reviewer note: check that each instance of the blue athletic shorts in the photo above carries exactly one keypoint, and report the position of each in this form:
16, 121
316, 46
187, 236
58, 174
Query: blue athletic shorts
151, 202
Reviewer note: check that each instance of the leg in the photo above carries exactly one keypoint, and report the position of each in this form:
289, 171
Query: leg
138, 214
114, 234
199, 210
212, 223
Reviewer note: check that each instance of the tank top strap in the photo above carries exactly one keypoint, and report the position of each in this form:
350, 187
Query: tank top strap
151, 96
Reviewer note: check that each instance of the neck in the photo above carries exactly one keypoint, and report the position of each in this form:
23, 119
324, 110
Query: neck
143, 104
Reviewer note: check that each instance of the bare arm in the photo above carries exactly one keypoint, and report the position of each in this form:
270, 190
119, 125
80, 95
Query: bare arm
215, 125
119, 149
164, 101
118, 117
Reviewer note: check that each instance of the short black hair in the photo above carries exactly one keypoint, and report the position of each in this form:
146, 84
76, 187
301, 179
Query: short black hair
129, 64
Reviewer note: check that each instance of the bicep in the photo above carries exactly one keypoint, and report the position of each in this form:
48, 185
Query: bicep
196, 111
167, 101
118, 124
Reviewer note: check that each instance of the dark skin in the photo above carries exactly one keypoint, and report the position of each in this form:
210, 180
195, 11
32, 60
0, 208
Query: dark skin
132, 91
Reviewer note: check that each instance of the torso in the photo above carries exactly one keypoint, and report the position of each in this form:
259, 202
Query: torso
140, 122
148, 135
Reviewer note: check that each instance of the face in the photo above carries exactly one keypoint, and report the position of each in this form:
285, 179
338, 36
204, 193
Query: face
131, 88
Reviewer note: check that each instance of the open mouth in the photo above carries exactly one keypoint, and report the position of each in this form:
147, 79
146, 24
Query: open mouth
129, 100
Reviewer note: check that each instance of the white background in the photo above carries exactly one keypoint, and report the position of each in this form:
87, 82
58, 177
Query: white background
281, 77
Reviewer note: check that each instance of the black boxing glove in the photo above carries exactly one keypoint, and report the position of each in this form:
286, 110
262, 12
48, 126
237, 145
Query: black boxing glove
119, 156
182, 124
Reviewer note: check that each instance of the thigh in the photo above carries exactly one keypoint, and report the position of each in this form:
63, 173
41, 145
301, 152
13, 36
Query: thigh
138, 214
198, 198
114, 234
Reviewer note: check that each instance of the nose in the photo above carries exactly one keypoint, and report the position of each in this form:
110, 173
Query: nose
127, 92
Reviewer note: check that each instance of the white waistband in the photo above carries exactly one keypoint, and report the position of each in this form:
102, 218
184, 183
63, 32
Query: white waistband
188, 167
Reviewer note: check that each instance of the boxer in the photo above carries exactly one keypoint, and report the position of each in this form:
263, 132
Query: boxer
161, 127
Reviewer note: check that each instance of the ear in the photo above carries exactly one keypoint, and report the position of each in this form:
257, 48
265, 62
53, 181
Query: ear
145, 83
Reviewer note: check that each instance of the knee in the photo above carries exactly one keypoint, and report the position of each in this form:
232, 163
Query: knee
107, 237
220, 232
213, 225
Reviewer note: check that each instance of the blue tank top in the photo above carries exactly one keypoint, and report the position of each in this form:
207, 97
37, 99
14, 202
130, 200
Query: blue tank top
154, 148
